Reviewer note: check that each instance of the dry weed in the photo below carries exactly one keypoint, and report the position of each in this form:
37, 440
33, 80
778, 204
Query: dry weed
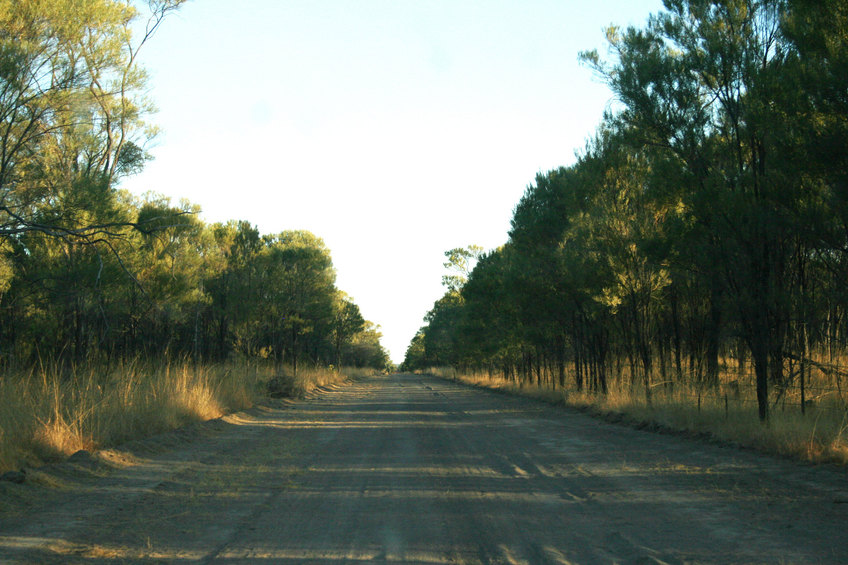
48, 414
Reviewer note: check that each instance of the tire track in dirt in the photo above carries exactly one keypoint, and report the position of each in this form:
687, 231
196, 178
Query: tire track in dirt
412, 469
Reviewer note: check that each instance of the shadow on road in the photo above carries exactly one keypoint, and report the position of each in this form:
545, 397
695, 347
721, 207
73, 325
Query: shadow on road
410, 469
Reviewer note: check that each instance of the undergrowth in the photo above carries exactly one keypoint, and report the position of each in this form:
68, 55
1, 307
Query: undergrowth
48, 413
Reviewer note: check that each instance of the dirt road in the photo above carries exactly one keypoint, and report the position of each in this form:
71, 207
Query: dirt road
411, 469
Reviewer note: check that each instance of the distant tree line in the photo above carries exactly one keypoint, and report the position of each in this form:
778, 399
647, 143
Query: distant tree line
88, 271
707, 219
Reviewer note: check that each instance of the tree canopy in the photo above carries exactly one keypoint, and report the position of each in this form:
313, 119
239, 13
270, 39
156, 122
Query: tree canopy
90, 271
705, 219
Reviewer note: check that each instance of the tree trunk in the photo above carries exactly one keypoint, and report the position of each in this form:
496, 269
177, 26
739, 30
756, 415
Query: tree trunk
713, 332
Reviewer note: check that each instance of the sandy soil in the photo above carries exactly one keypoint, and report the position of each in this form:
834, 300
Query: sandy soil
411, 469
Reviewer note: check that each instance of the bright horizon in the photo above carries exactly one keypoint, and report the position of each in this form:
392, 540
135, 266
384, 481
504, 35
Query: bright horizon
394, 131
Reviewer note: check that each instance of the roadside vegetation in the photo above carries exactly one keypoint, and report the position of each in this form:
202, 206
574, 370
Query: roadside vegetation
120, 315
689, 268
46, 414
726, 414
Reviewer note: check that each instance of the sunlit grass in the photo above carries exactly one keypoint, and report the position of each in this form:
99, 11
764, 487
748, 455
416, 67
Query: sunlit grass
47, 414
728, 412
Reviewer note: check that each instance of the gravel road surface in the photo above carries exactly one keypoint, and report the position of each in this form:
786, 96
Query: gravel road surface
413, 469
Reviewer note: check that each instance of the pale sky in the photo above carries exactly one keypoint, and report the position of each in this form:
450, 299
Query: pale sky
393, 129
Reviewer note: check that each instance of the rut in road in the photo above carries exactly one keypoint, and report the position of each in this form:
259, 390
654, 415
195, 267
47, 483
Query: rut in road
413, 469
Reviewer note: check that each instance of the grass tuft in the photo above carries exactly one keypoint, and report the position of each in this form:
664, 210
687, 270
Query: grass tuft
47, 414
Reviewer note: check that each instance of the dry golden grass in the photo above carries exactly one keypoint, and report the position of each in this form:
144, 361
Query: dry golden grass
284, 384
48, 414
727, 413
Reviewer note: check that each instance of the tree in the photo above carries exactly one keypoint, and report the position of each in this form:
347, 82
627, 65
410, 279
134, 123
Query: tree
347, 323
489, 333
415, 355
441, 335
87, 269
693, 83
707, 219
72, 107
298, 291
364, 349
624, 220
234, 288
461, 261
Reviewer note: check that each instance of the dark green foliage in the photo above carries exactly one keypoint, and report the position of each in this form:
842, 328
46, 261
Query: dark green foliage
182, 288
707, 219
89, 272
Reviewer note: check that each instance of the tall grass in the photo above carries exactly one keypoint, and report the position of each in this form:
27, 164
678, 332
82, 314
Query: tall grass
47, 413
287, 383
728, 412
